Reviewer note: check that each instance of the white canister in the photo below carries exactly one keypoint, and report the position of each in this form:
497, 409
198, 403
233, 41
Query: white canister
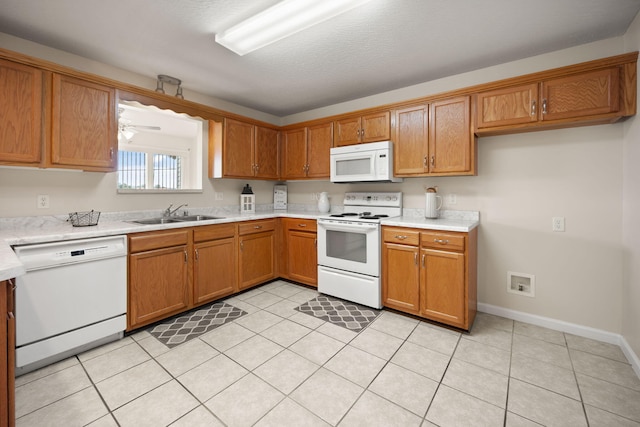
323, 202
432, 205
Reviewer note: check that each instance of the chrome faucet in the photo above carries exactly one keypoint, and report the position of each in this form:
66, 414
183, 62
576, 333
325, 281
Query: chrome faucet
168, 212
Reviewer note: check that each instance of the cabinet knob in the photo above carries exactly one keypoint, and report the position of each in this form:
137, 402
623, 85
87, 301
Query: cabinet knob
433, 160
424, 162
533, 107
186, 257
197, 255
423, 257
415, 258
544, 106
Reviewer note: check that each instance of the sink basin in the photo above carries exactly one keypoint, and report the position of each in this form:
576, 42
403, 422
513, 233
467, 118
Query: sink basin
155, 221
196, 218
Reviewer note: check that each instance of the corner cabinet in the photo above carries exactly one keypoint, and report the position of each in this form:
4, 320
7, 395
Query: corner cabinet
21, 114
579, 98
435, 139
248, 151
300, 250
7, 354
432, 274
257, 246
360, 129
305, 152
158, 285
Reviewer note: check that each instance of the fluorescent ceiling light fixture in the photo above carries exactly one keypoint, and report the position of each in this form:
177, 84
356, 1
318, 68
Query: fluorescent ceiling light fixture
282, 20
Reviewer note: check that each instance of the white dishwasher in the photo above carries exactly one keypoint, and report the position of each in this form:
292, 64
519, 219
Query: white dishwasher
72, 298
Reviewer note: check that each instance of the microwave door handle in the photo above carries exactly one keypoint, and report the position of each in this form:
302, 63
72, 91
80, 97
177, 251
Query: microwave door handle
346, 228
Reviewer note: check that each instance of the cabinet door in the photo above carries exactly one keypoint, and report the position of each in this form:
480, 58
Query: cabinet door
319, 143
586, 94
20, 114
410, 146
7, 355
266, 153
84, 125
450, 136
302, 254
400, 277
443, 287
509, 106
158, 285
294, 153
376, 127
347, 132
237, 150
215, 270
257, 259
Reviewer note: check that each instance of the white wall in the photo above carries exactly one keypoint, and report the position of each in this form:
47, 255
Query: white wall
523, 181
631, 215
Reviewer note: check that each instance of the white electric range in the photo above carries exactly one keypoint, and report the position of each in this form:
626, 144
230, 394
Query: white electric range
349, 247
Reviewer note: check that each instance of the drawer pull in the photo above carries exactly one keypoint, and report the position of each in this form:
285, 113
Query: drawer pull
441, 241
302, 225
257, 227
401, 237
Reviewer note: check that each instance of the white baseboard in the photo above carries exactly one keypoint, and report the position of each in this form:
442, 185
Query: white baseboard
562, 326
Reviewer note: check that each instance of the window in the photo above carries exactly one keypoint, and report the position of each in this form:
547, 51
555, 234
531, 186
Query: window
158, 150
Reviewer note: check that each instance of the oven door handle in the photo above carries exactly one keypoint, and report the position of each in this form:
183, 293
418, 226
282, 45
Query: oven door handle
347, 228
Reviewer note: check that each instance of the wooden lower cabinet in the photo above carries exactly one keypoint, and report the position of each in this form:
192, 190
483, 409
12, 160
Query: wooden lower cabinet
158, 276
215, 271
7, 355
300, 251
256, 260
431, 274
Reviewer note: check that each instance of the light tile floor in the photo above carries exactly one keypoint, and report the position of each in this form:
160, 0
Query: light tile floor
278, 367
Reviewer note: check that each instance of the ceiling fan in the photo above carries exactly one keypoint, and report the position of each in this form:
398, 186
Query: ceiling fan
126, 129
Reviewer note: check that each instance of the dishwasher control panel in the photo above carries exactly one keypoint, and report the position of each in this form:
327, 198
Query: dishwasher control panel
70, 251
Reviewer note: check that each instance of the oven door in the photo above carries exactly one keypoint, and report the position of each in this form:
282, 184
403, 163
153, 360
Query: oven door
350, 246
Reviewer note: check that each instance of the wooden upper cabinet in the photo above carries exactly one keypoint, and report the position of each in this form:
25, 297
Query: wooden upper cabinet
319, 143
368, 128
266, 153
238, 145
249, 151
305, 152
294, 153
83, 125
508, 106
21, 112
451, 141
411, 141
435, 139
585, 94
579, 98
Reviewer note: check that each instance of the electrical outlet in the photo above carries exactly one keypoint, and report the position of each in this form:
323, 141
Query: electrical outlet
43, 201
452, 199
218, 196
557, 223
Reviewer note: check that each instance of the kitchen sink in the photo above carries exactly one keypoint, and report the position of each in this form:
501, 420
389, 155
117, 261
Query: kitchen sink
196, 218
149, 221
172, 219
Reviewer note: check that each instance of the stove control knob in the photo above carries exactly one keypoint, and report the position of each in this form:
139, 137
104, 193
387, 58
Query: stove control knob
388, 198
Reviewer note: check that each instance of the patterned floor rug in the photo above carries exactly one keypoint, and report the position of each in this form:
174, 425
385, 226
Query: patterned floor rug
349, 315
190, 325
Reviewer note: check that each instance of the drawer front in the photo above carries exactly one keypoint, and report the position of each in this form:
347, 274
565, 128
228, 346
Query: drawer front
300, 224
437, 240
158, 239
213, 232
401, 235
250, 227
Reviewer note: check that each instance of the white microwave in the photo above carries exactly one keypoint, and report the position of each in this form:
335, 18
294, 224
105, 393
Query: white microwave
363, 163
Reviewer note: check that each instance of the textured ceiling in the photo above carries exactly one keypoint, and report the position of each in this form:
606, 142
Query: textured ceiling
381, 46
